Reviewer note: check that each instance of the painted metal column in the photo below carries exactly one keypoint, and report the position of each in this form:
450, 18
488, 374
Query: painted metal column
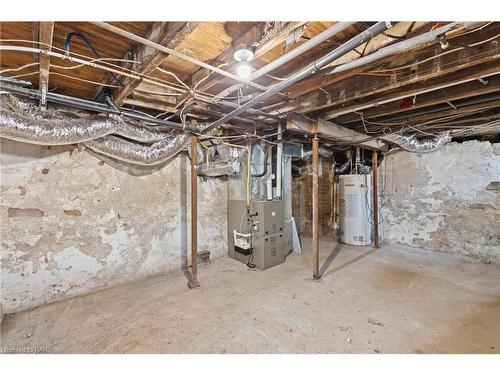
376, 243
193, 282
315, 208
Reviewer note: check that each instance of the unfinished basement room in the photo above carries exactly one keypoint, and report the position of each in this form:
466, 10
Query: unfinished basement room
250, 187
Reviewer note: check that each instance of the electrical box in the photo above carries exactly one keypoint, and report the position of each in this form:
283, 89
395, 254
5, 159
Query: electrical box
262, 225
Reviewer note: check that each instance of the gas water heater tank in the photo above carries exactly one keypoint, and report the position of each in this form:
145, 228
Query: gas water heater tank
354, 209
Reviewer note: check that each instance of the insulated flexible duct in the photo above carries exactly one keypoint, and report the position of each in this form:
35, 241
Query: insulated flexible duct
55, 131
135, 153
219, 168
342, 168
412, 144
321, 152
58, 131
96, 134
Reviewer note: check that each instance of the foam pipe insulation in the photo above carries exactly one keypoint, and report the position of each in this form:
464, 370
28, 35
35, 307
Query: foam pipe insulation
412, 144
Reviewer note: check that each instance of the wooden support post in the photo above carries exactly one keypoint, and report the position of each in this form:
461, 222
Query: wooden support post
376, 243
46, 31
315, 208
193, 282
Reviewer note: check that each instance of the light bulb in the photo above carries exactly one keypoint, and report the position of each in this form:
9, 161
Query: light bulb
244, 70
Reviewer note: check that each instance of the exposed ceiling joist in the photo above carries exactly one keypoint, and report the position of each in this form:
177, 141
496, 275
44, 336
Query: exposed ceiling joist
451, 94
226, 58
443, 82
331, 131
364, 86
169, 34
382, 40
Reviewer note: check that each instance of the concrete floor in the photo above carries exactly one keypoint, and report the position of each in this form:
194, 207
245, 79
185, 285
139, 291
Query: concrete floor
391, 300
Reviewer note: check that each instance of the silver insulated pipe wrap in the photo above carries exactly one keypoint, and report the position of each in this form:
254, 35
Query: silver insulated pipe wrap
412, 144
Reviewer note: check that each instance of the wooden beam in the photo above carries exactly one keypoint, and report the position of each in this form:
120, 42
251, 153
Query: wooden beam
46, 31
168, 34
329, 130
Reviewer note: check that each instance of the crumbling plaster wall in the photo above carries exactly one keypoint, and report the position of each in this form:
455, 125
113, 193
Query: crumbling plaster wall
445, 200
72, 223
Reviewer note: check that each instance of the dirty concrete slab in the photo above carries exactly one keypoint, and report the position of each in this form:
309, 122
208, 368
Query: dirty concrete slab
390, 300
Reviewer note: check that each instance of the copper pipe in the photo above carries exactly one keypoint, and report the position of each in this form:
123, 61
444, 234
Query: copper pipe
376, 243
315, 208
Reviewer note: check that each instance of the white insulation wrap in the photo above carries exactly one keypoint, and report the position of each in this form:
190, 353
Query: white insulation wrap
135, 153
412, 144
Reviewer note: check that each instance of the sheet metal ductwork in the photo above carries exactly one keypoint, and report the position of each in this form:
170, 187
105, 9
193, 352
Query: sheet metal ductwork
412, 144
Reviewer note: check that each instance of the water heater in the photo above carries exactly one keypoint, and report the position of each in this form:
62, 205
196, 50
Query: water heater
355, 209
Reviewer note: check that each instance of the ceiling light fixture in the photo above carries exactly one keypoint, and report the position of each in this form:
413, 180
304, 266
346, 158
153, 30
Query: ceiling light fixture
243, 53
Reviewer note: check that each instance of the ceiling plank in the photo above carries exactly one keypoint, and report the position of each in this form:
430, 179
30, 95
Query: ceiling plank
168, 34
226, 58
45, 34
